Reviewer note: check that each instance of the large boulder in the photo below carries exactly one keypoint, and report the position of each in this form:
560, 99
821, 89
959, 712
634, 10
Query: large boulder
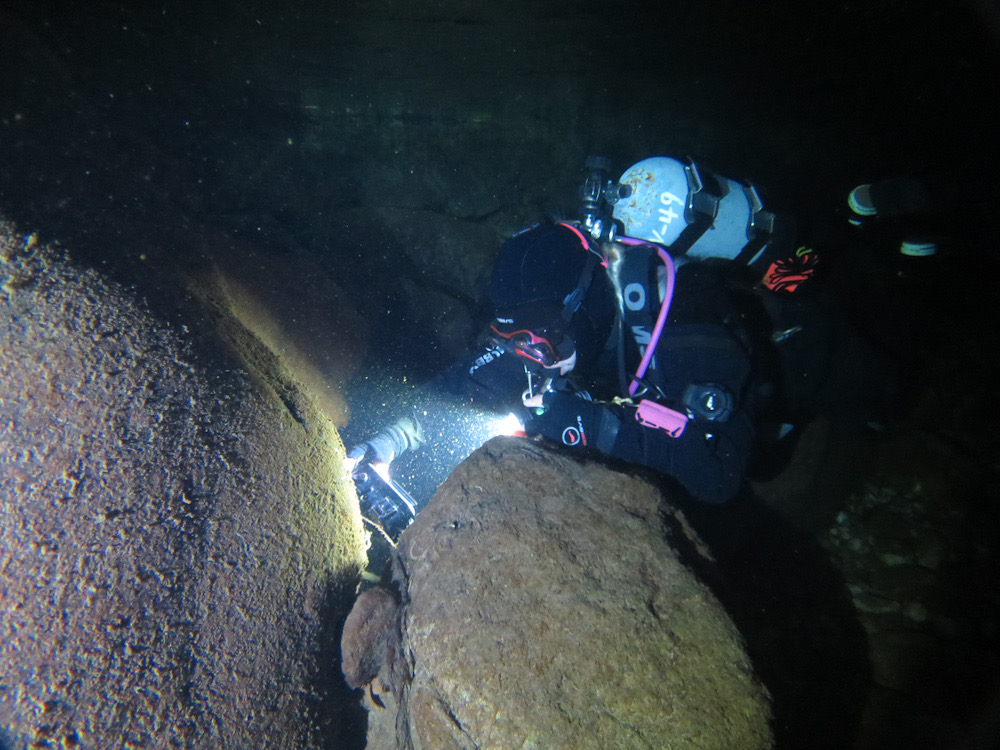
540, 604
176, 529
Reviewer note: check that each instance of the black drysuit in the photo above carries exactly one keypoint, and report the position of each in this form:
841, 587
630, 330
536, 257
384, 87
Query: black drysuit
704, 344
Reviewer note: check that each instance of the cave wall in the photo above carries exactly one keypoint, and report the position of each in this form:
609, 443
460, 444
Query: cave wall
178, 535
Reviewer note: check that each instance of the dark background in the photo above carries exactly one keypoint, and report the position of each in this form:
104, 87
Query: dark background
264, 122
248, 115
153, 139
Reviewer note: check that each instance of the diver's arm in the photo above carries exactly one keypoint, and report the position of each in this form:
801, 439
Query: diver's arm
708, 459
488, 379
405, 434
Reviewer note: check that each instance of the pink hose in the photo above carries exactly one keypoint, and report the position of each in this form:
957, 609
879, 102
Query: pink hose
661, 319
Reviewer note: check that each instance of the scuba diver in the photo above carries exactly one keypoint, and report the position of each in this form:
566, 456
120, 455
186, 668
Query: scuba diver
666, 327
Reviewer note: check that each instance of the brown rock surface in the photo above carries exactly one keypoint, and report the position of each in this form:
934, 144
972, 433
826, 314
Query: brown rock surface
174, 528
543, 607
367, 635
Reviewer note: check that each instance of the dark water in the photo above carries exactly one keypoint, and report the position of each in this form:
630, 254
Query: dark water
138, 134
262, 122
254, 118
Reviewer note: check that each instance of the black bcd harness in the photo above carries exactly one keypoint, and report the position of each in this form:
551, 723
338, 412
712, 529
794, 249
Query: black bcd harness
684, 349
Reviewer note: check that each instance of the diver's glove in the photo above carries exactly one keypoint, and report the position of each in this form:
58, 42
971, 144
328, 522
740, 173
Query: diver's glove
574, 420
406, 434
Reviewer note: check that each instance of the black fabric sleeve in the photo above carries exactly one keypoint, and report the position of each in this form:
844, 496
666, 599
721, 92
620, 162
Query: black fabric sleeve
708, 459
490, 379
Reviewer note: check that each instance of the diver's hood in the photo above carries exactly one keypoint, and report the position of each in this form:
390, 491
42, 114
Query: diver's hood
534, 274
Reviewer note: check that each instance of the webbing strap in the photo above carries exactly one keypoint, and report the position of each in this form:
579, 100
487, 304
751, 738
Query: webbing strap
640, 302
574, 299
700, 209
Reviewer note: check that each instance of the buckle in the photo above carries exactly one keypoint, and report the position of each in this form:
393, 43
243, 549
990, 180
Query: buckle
701, 206
761, 222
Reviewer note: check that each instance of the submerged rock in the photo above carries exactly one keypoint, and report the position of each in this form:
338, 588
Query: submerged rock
175, 529
542, 606
368, 642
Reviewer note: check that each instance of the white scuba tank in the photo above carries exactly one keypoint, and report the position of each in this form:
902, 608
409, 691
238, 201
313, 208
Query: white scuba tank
666, 195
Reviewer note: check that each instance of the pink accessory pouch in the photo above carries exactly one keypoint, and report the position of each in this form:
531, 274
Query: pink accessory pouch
657, 416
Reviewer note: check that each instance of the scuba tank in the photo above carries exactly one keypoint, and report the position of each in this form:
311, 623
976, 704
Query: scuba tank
692, 213
661, 212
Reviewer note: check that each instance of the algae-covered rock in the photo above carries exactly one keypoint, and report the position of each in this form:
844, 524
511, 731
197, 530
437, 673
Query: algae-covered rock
542, 607
175, 530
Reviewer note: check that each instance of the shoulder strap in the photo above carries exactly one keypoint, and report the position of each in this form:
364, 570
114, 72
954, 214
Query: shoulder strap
640, 306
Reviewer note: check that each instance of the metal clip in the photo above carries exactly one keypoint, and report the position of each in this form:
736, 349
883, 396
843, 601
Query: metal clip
761, 222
